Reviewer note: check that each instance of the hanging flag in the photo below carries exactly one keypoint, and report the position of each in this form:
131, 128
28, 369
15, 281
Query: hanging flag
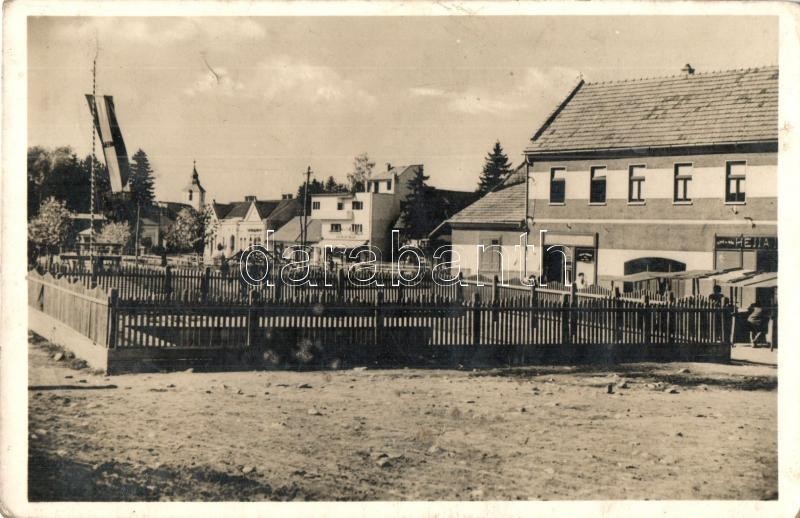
105, 122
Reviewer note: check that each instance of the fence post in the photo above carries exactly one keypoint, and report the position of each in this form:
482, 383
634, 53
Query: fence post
204, 282
252, 317
460, 288
168, 282
278, 286
671, 317
565, 320
339, 285
726, 314
573, 312
646, 319
401, 291
534, 305
94, 265
495, 299
113, 298
378, 337
617, 316
476, 318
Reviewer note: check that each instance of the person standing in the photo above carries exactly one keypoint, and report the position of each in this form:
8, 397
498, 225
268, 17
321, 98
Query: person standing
756, 318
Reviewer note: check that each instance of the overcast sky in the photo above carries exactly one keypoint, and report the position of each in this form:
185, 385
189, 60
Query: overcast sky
257, 100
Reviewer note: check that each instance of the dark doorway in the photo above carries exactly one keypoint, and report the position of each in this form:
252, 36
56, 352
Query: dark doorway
556, 260
767, 260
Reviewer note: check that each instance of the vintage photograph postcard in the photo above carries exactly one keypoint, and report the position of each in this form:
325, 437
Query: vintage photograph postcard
428, 259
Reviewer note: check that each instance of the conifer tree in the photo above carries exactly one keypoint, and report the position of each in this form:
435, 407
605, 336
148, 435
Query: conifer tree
140, 182
495, 169
420, 210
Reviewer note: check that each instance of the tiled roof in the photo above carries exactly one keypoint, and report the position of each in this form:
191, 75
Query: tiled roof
238, 210
518, 175
290, 232
285, 210
279, 209
503, 206
171, 208
394, 171
266, 207
221, 209
728, 107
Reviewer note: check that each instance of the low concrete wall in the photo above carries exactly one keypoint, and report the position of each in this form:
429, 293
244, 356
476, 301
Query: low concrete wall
59, 333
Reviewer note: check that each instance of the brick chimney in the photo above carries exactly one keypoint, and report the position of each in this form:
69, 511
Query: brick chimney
687, 70
250, 198
287, 196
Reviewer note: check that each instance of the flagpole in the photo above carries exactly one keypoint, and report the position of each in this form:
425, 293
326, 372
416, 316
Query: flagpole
91, 169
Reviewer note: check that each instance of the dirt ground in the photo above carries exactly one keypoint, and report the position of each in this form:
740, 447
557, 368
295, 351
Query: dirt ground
671, 431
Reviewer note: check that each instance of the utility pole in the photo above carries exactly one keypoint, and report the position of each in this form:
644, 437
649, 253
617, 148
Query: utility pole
303, 236
136, 242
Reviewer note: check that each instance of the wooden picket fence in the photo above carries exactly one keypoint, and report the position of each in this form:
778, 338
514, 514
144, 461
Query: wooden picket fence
138, 283
414, 327
86, 310
523, 320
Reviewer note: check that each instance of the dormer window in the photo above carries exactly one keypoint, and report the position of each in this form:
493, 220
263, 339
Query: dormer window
389, 185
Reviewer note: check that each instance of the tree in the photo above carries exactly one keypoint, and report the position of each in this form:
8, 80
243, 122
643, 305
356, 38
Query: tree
331, 185
187, 232
362, 170
421, 210
39, 167
118, 233
60, 174
52, 227
495, 169
314, 187
140, 181
209, 226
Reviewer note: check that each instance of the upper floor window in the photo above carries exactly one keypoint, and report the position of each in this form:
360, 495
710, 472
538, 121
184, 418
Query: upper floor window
683, 182
336, 227
358, 205
314, 205
597, 191
357, 228
557, 184
389, 185
735, 173
340, 205
636, 183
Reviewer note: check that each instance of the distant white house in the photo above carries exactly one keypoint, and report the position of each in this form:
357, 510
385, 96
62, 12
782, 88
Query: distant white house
354, 221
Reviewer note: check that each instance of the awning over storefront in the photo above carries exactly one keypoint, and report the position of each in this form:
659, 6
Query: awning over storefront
760, 280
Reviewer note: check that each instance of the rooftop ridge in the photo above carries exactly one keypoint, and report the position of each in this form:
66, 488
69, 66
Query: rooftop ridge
682, 76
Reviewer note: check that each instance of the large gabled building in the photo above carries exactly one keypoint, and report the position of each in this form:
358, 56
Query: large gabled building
238, 226
659, 174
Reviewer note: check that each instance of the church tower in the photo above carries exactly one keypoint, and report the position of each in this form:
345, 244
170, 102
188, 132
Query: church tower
193, 193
